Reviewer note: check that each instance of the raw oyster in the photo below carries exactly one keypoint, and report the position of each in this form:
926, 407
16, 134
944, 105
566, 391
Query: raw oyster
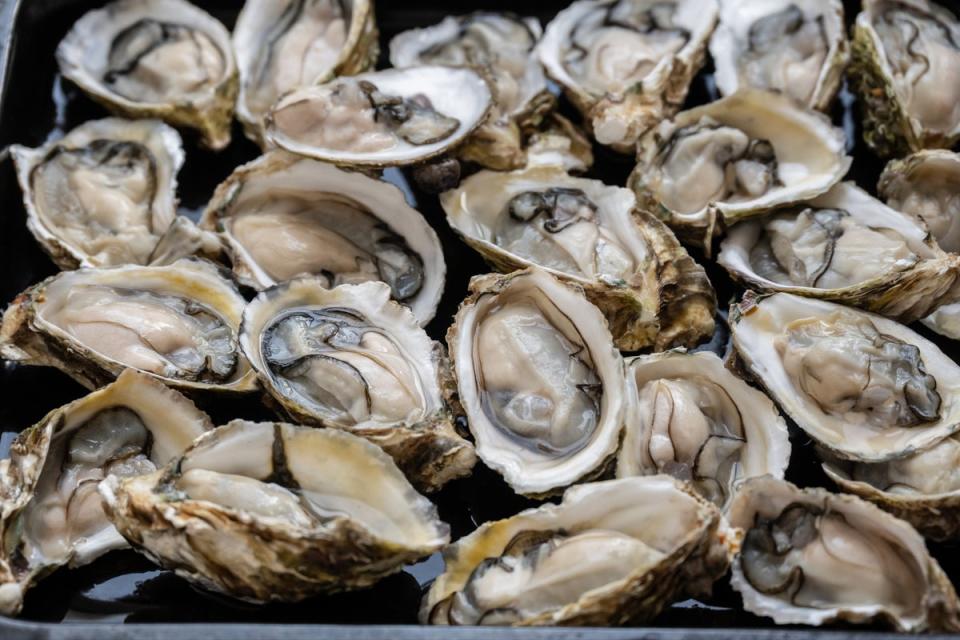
865, 387
178, 323
845, 246
926, 185
906, 59
383, 118
274, 512
738, 157
612, 552
539, 380
690, 417
353, 359
281, 216
796, 47
558, 142
286, 44
814, 557
627, 64
583, 231
162, 59
50, 513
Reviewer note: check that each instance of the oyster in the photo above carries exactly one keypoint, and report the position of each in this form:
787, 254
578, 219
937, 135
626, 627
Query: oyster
281, 216
162, 59
583, 231
539, 380
926, 185
906, 59
50, 513
795, 47
612, 552
865, 387
384, 118
689, 417
814, 557
286, 44
274, 512
558, 142
178, 323
627, 64
738, 157
353, 359
848, 247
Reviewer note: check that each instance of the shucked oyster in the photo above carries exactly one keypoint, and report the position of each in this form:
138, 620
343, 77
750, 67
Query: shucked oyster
906, 60
814, 557
282, 45
690, 417
178, 323
612, 552
539, 380
627, 64
270, 511
865, 387
156, 59
50, 512
283, 216
796, 47
583, 231
353, 359
737, 157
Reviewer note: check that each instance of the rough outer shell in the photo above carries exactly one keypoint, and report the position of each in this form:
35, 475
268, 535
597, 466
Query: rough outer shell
173, 421
260, 558
82, 56
696, 555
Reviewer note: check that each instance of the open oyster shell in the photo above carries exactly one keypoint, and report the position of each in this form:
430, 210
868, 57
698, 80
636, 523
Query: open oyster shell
735, 158
50, 512
179, 323
583, 231
162, 59
353, 359
627, 64
814, 557
282, 216
274, 512
286, 44
690, 417
539, 380
611, 553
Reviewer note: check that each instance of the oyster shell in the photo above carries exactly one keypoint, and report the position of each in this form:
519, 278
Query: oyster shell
814, 557
179, 323
612, 552
539, 380
50, 513
162, 59
352, 359
926, 185
690, 417
735, 158
627, 64
274, 512
282, 216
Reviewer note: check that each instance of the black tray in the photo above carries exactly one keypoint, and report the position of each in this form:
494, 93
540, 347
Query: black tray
123, 587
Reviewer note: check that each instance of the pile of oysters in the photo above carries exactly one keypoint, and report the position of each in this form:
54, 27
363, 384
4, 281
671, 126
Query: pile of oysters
583, 369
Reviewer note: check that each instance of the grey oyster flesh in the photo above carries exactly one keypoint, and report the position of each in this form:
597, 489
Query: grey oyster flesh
814, 557
541, 571
153, 61
328, 235
854, 372
923, 51
341, 367
709, 162
826, 249
165, 335
616, 45
696, 433
356, 116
